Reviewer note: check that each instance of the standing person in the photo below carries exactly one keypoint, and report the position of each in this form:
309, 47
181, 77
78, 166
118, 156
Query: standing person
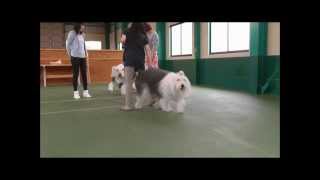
136, 44
124, 35
153, 40
78, 54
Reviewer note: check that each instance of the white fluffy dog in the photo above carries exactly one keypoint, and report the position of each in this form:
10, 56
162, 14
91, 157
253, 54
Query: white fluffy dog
117, 84
167, 88
117, 75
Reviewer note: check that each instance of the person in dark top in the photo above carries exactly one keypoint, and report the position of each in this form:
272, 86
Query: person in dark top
136, 44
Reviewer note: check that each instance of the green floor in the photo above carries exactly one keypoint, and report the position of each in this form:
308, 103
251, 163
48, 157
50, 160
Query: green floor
216, 123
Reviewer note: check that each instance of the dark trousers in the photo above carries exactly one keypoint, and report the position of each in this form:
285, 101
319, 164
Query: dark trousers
79, 63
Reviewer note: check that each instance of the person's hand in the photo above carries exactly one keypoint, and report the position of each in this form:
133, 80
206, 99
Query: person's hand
68, 54
123, 39
153, 56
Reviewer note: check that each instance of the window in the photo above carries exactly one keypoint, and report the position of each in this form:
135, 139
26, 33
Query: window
93, 45
181, 39
229, 37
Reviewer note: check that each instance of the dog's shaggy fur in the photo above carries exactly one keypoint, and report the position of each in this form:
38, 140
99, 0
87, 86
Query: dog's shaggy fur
168, 89
117, 85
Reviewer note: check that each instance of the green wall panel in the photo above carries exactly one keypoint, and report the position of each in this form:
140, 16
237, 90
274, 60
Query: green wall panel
107, 35
188, 66
271, 71
247, 74
161, 30
197, 45
231, 73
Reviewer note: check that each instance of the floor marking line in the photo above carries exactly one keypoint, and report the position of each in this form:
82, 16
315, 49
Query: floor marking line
74, 100
83, 109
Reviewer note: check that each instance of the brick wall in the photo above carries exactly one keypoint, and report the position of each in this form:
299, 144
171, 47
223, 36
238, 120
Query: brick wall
94, 32
52, 35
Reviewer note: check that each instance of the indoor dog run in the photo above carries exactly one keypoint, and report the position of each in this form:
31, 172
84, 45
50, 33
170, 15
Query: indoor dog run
233, 109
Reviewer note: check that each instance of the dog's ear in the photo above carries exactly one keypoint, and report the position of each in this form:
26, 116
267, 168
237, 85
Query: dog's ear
181, 73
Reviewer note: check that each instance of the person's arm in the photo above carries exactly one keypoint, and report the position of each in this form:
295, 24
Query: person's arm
147, 48
85, 48
69, 41
148, 52
87, 55
87, 59
123, 38
155, 43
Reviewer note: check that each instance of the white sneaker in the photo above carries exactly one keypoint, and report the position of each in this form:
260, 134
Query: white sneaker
86, 94
76, 95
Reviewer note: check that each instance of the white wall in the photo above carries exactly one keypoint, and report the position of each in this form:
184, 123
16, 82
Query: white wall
273, 38
97, 37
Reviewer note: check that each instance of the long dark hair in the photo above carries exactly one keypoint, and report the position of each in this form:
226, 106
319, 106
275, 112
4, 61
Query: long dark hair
77, 27
137, 28
147, 27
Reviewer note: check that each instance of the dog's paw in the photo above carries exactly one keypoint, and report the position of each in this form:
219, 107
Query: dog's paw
166, 109
156, 105
179, 111
137, 106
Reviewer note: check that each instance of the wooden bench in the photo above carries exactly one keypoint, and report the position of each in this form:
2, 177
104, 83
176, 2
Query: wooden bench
99, 65
44, 72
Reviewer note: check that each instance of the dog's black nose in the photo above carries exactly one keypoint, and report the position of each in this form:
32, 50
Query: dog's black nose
119, 75
182, 86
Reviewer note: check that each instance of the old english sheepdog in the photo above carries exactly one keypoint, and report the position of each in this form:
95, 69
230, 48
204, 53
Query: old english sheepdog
117, 75
117, 84
168, 89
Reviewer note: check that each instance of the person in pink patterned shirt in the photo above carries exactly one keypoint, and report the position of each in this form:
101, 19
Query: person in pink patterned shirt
153, 44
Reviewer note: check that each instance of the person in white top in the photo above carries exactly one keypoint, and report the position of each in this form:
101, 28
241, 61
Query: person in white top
76, 49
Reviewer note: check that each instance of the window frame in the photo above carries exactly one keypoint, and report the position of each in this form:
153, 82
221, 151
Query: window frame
170, 29
225, 52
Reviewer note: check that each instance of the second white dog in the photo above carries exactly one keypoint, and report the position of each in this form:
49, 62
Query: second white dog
117, 85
